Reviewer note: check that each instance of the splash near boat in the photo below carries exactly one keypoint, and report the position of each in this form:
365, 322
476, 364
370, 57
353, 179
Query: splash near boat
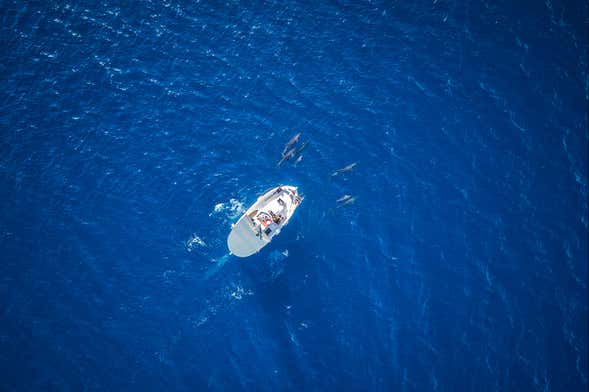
263, 220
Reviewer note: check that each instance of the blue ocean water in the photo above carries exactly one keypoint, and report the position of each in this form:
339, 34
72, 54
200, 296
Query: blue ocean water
133, 135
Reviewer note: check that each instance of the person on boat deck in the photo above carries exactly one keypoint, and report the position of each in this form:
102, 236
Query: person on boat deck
275, 217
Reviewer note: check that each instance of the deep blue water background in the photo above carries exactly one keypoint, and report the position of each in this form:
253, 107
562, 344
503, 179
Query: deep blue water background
132, 136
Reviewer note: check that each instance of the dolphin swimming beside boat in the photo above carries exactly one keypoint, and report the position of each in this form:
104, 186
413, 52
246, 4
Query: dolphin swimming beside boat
299, 159
285, 157
293, 140
348, 168
345, 200
294, 152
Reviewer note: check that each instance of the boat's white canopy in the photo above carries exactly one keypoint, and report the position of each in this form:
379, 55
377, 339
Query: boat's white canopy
243, 240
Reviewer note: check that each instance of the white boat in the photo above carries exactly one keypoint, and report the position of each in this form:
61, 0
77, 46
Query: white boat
263, 220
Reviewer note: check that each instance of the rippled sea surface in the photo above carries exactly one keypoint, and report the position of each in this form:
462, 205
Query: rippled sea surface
132, 136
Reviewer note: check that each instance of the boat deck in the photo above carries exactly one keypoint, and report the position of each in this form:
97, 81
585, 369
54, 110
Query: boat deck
271, 213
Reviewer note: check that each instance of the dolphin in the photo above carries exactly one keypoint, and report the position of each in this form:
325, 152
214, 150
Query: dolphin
286, 156
347, 199
291, 143
292, 153
343, 198
344, 169
299, 159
